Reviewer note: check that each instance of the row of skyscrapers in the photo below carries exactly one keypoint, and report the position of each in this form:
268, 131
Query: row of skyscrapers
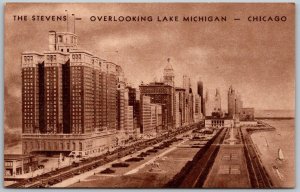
75, 101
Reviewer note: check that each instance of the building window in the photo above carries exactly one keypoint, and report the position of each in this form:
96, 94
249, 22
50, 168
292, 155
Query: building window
80, 146
8, 164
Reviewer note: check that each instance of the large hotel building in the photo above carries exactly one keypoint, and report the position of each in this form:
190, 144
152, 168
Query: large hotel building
68, 99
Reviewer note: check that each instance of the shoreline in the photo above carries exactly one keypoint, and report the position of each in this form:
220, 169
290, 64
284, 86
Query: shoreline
267, 153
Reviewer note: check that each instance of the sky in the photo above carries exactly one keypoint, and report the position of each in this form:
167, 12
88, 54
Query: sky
256, 58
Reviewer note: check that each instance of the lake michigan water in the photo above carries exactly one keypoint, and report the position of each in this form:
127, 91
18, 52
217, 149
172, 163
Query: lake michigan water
268, 144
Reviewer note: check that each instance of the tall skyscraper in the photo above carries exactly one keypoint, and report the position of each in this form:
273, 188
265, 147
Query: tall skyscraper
129, 128
235, 103
97, 92
189, 100
32, 100
120, 99
208, 104
169, 74
179, 106
186, 83
239, 104
68, 99
200, 93
111, 96
103, 95
217, 102
198, 108
169, 79
133, 100
81, 92
231, 102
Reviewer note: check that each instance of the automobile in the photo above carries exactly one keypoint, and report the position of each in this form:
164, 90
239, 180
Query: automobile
83, 160
41, 186
55, 181
41, 166
89, 168
51, 182
77, 173
45, 160
74, 164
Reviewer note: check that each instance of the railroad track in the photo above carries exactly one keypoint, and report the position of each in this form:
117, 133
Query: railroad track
59, 175
198, 170
261, 178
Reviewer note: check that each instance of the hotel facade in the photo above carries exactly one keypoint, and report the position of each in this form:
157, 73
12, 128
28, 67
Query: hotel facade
68, 99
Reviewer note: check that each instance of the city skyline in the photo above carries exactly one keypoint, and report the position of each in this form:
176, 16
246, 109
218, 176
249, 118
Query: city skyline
159, 95
202, 50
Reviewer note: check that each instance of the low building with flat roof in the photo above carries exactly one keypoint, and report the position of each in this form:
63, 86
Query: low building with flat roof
219, 122
16, 165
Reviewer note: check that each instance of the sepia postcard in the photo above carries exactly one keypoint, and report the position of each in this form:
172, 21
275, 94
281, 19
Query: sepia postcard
149, 95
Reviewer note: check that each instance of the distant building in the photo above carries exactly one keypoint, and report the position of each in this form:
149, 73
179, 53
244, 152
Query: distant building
198, 114
218, 122
190, 107
217, 102
146, 115
239, 105
231, 102
129, 127
162, 94
189, 100
134, 101
158, 118
169, 76
169, 79
208, 104
200, 93
179, 106
151, 117
235, 103
247, 114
